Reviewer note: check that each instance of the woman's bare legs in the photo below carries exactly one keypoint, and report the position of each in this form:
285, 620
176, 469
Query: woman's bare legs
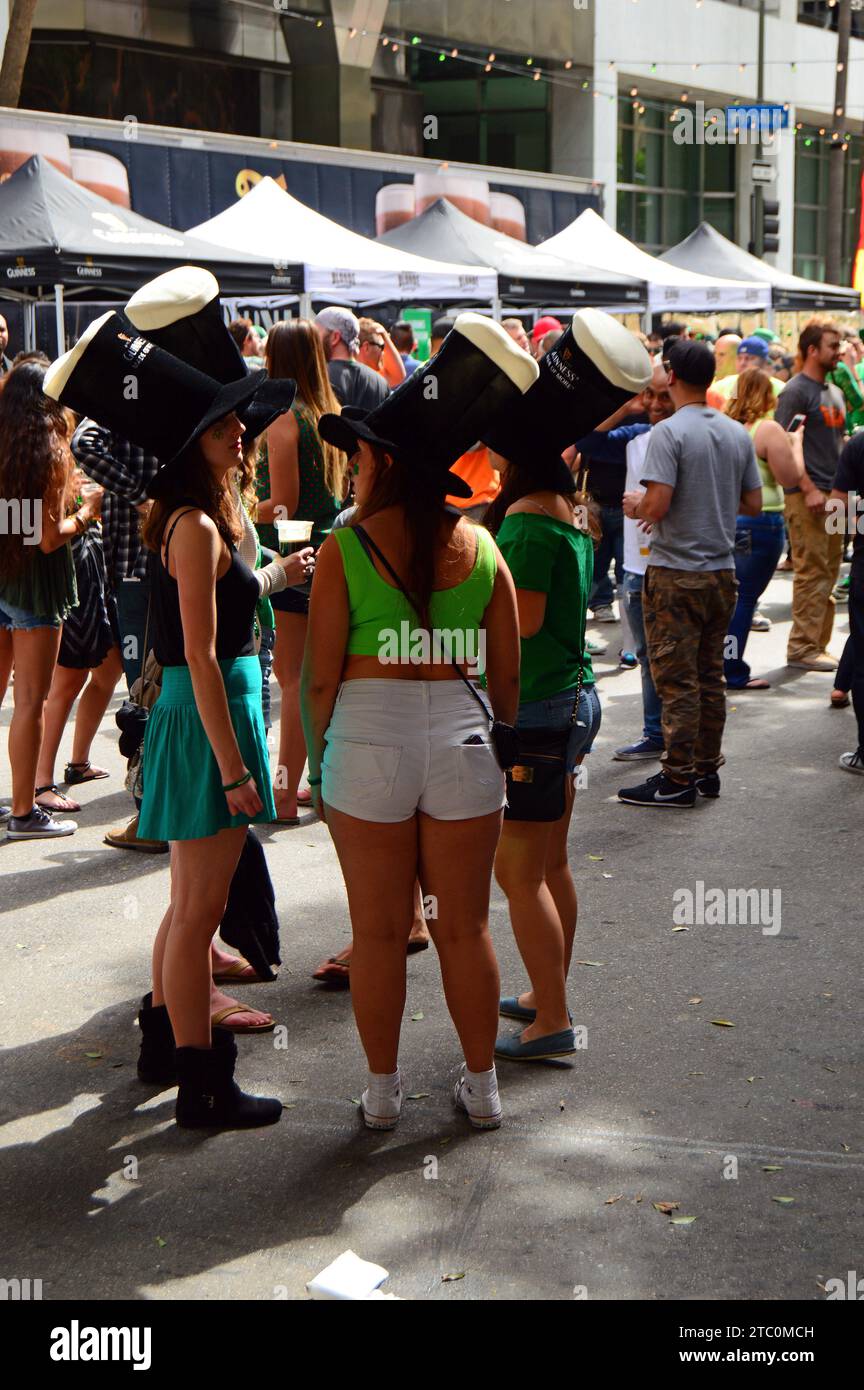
532, 868
93, 704
218, 1000
35, 656
65, 686
456, 859
561, 886
201, 873
6, 653
287, 661
379, 864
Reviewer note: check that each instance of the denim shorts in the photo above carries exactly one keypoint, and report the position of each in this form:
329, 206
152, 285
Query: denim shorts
557, 712
20, 620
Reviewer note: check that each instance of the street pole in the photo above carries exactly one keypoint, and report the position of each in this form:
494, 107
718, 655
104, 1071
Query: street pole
836, 154
758, 192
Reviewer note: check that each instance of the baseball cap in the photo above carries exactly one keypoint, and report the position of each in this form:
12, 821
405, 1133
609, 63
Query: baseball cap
544, 326
693, 363
343, 322
755, 347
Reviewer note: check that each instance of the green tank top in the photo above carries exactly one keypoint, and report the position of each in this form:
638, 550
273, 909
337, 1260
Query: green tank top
383, 621
773, 499
314, 502
46, 585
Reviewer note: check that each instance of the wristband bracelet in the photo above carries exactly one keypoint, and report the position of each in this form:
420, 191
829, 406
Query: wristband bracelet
314, 781
241, 782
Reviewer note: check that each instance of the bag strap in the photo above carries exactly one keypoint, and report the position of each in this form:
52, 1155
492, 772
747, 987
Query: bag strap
370, 547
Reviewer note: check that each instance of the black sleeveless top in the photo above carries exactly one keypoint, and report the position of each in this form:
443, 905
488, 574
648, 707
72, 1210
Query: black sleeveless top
237, 595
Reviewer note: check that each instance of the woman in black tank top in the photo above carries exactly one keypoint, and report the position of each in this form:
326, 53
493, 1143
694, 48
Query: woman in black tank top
206, 770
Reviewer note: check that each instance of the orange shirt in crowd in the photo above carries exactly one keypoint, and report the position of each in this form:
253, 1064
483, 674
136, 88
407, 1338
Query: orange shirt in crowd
476, 470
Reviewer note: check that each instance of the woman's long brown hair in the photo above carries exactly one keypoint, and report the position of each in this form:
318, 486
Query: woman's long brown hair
189, 482
294, 349
754, 398
428, 526
36, 462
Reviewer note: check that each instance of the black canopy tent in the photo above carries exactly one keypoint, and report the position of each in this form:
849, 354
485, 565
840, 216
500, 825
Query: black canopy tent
708, 252
525, 275
57, 239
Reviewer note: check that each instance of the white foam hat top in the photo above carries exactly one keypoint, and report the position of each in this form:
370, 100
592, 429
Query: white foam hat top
178, 294
613, 349
60, 370
493, 340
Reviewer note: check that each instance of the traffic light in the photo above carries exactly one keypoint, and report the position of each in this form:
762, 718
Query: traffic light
770, 226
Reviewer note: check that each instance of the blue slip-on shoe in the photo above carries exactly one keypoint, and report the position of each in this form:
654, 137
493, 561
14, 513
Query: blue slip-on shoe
644, 748
539, 1050
511, 1008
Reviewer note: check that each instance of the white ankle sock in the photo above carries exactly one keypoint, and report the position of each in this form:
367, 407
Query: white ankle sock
384, 1085
480, 1092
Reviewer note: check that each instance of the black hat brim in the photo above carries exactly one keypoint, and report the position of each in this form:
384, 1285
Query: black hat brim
343, 431
275, 397
231, 399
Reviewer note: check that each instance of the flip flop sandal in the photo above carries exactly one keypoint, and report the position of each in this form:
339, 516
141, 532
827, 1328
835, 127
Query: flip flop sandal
415, 946
286, 820
304, 797
74, 773
842, 703
756, 684
40, 791
220, 1020
235, 974
333, 973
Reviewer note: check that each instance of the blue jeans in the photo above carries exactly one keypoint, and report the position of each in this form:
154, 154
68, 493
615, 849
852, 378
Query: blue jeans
132, 595
611, 548
557, 713
759, 542
652, 706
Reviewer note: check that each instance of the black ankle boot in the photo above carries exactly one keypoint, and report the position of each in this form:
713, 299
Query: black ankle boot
156, 1060
209, 1097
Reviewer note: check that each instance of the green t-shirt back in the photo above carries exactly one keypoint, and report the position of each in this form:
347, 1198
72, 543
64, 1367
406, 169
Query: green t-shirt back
549, 556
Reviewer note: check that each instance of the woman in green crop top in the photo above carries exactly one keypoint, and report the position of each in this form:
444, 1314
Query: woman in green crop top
542, 527
759, 540
400, 759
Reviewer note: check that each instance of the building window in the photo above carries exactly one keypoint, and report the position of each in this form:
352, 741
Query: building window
490, 118
812, 154
665, 189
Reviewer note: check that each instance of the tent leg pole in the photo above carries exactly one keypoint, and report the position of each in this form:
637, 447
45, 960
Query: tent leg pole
30, 325
496, 308
60, 320
305, 306
769, 319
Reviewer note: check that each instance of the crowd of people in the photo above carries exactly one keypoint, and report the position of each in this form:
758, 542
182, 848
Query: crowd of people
425, 618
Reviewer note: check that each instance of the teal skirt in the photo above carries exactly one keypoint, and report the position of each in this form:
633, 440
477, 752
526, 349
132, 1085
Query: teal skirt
183, 797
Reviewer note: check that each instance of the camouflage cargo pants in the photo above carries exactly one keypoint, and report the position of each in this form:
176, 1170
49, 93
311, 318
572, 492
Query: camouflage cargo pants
687, 615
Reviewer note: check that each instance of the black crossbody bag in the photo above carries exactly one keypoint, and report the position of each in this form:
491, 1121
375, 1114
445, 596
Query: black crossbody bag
536, 783
503, 736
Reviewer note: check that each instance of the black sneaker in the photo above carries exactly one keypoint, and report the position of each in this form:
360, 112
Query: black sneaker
708, 784
39, 825
659, 790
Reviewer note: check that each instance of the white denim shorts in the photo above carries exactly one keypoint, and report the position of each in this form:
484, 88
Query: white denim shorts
395, 747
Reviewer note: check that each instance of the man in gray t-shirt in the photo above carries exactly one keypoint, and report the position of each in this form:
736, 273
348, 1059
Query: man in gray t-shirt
699, 474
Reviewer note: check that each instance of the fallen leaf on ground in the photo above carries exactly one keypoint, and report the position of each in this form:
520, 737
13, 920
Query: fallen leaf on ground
449, 1278
415, 1018
639, 1198
560, 1105
682, 1220
845, 1148
418, 1095
160, 1242
94, 1055
695, 1073
784, 1201
772, 1168
722, 1023
610, 1200
596, 857
607, 875
680, 928
697, 999
355, 1100
589, 962
827, 1068
665, 1207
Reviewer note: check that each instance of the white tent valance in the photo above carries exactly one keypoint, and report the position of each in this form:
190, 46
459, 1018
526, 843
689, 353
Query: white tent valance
339, 264
592, 240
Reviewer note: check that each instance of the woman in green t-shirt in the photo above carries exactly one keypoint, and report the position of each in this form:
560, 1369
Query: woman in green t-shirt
542, 529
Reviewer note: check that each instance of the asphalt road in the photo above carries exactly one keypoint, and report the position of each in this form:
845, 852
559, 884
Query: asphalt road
662, 1105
